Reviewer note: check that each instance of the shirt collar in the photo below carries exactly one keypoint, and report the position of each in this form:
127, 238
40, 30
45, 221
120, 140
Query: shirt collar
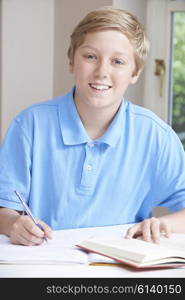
73, 131
116, 127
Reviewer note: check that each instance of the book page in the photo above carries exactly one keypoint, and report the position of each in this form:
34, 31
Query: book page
176, 241
94, 258
137, 250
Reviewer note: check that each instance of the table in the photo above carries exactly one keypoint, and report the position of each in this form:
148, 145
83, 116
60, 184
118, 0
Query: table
76, 271
80, 270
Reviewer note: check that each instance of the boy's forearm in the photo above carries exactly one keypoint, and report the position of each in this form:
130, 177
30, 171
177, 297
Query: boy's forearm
7, 218
177, 221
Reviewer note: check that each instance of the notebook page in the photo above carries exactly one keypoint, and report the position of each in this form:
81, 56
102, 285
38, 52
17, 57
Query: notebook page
61, 249
47, 253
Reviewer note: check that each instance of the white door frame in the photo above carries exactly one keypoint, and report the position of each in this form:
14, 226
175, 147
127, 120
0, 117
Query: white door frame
158, 26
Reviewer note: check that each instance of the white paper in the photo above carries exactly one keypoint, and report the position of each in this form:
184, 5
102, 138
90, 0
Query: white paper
60, 250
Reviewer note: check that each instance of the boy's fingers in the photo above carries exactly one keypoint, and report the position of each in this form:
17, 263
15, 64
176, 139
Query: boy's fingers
25, 238
31, 238
19, 240
30, 226
146, 233
39, 231
133, 231
26, 232
150, 230
146, 230
166, 228
155, 230
47, 229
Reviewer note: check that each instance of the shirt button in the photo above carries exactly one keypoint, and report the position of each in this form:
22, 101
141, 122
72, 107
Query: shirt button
90, 145
89, 167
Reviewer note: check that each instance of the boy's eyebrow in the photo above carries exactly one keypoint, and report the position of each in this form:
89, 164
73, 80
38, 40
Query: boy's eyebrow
90, 47
115, 53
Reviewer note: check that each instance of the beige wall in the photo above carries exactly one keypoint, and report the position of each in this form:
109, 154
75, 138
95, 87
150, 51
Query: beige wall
27, 55
0, 64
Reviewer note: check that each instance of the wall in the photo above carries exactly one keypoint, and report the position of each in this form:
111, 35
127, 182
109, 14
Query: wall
159, 31
27, 55
0, 65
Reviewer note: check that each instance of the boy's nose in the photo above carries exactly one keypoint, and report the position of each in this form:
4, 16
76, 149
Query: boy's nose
101, 70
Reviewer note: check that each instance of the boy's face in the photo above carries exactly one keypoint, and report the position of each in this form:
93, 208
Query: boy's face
103, 66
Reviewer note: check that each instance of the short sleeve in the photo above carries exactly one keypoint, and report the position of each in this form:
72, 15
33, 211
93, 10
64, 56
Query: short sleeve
15, 166
169, 186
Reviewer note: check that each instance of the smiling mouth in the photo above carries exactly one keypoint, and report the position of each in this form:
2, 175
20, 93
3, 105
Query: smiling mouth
100, 87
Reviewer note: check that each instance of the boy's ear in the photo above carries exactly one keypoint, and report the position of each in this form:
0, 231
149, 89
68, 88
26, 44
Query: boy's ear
70, 67
135, 77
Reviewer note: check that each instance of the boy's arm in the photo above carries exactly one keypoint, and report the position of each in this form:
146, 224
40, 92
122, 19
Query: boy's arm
7, 218
176, 221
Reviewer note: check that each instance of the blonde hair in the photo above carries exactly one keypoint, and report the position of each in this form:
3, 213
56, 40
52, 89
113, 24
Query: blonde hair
114, 19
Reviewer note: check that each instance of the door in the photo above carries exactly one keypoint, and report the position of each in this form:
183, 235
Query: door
160, 71
160, 68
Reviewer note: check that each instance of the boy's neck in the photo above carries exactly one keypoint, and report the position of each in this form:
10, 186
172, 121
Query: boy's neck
96, 120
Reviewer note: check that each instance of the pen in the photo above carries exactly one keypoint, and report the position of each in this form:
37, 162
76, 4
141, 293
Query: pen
29, 213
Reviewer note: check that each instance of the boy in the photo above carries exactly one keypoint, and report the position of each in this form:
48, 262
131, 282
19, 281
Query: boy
91, 158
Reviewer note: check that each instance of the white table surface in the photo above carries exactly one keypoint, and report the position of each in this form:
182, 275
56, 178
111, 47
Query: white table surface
84, 271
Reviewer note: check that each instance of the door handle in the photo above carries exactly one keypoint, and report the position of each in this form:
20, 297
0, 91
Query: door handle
160, 71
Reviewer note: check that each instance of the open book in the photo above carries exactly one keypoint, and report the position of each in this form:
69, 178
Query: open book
138, 253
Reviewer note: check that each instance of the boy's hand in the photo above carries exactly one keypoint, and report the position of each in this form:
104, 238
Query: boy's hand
150, 230
25, 232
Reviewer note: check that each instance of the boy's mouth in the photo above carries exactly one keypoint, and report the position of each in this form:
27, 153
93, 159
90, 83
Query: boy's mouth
100, 87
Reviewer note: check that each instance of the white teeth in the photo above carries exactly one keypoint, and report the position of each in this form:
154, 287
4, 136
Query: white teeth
100, 87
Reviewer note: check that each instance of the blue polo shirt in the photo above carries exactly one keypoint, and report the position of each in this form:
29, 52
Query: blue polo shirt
71, 181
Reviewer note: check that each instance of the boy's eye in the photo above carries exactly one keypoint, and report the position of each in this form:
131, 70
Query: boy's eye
90, 56
118, 61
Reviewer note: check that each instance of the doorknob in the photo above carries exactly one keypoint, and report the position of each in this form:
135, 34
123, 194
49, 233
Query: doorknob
160, 71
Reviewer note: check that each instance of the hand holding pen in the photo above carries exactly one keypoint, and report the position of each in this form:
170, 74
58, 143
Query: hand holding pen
26, 230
